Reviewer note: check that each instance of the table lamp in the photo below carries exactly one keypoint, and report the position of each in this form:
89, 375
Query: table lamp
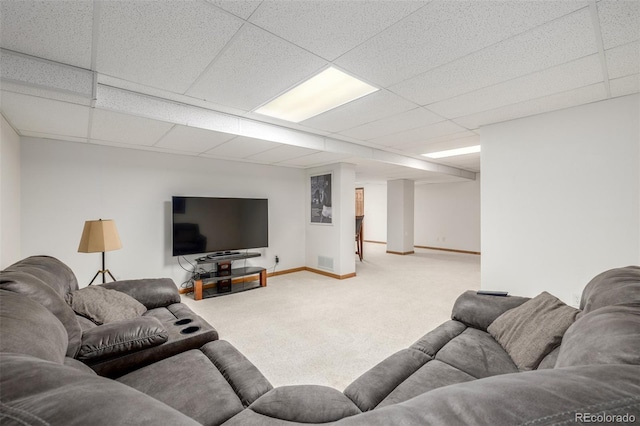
100, 236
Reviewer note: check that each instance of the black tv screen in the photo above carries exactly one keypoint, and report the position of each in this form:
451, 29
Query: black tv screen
207, 224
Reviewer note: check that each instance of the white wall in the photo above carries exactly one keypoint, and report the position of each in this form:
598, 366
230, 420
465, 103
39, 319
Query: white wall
375, 212
561, 198
64, 184
447, 215
10, 195
336, 240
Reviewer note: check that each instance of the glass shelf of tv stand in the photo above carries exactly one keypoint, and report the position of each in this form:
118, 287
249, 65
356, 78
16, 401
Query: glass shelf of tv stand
207, 283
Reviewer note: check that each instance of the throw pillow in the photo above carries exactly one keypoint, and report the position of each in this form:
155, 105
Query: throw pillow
532, 330
103, 305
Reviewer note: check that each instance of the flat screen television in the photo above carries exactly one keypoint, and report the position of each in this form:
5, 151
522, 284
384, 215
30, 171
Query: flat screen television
213, 225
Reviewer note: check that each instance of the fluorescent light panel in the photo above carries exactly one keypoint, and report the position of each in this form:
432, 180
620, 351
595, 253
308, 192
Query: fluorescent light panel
327, 90
454, 152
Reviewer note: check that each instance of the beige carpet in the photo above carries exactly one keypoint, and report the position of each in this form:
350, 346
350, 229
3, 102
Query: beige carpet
305, 328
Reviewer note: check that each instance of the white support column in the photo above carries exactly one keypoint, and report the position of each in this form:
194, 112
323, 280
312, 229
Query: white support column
400, 207
331, 245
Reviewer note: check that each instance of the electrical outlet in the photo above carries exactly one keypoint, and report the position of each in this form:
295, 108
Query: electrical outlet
575, 299
277, 259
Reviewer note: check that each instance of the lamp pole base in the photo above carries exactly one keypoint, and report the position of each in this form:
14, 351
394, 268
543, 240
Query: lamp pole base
104, 271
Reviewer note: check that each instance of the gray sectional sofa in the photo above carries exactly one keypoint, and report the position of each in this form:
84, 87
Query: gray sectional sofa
499, 360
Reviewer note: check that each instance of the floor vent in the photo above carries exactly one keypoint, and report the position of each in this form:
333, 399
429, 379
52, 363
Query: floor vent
325, 262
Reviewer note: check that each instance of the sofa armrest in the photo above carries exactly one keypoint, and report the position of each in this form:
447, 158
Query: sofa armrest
479, 311
121, 337
151, 292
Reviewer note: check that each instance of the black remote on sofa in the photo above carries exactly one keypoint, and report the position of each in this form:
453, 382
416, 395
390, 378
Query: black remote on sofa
493, 293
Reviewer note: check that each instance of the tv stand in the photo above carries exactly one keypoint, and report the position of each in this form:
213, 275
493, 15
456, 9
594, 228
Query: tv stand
245, 276
222, 253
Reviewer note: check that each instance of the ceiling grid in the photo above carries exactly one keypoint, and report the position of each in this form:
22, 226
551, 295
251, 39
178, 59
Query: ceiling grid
187, 78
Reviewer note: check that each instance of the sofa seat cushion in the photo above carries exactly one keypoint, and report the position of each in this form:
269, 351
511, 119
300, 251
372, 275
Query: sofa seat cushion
212, 383
432, 375
463, 353
477, 354
191, 384
470, 355
37, 392
532, 330
102, 305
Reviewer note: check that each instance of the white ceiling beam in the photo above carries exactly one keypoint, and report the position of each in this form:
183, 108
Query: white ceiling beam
133, 103
43, 77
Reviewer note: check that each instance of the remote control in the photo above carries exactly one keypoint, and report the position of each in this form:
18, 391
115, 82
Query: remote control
493, 293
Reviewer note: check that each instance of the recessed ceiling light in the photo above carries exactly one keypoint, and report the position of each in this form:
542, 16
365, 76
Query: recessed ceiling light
453, 152
326, 90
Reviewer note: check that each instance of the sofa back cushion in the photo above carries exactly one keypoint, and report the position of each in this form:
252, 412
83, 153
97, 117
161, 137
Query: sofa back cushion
50, 271
29, 328
41, 284
532, 330
102, 305
609, 335
620, 285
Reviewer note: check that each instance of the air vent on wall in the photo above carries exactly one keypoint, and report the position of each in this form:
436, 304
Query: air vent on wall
325, 262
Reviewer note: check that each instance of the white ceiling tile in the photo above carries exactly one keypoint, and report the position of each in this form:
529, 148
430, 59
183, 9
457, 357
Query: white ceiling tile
315, 159
582, 95
161, 44
28, 113
330, 28
243, 8
127, 129
369, 108
565, 77
444, 31
419, 134
565, 39
417, 117
619, 21
623, 60
56, 30
241, 147
281, 153
254, 68
193, 139
625, 85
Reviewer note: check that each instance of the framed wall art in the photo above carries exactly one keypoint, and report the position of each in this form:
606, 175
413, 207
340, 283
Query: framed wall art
321, 209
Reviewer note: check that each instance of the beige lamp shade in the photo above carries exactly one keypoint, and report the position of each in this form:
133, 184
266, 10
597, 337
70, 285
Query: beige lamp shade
99, 236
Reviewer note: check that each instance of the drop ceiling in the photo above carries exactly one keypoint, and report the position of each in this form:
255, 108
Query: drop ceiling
185, 77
